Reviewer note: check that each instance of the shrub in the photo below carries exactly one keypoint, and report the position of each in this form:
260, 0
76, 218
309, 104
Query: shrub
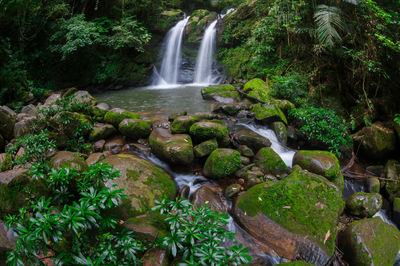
323, 125
292, 87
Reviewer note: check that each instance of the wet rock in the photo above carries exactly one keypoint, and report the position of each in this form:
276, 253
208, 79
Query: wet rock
99, 145
135, 128
396, 211
176, 115
140, 148
24, 127
370, 242
376, 141
100, 110
84, 97
114, 145
270, 162
78, 123
7, 121
7, 239
202, 131
285, 105
377, 170
66, 159
245, 160
257, 88
245, 136
205, 148
95, 158
363, 204
245, 151
13, 186
156, 257
176, 149
292, 219
147, 226
221, 93
116, 115
102, 131
392, 172
232, 190
268, 113
227, 108
222, 163
142, 181
321, 163
280, 131
211, 197
184, 192
373, 185
29, 109
52, 99
182, 124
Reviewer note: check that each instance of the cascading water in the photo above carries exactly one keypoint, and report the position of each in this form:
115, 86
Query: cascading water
172, 56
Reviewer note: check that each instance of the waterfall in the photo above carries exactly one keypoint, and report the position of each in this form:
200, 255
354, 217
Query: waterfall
172, 56
205, 58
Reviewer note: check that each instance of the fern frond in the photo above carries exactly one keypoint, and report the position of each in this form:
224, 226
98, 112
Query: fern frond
328, 20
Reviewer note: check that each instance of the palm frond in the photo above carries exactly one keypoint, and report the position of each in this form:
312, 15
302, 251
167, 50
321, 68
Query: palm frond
328, 20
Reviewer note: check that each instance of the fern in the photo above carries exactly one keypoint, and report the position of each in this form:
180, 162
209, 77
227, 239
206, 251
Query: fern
328, 20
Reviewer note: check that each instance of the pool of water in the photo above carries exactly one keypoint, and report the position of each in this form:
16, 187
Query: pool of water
160, 101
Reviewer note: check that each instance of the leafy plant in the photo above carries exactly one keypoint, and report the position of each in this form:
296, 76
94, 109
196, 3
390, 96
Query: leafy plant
397, 119
323, 125
197, 234
292, 87
328, 20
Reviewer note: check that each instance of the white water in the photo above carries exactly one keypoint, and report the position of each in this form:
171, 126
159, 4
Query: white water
205, 58
172, 56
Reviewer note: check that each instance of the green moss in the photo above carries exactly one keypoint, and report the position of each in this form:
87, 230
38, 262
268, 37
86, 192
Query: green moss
270, 162
115, 116
223, 91
268, 113
303, 203
208, 130
364, 204
182, 124
135, 128
396, 204
222, 163
205, 148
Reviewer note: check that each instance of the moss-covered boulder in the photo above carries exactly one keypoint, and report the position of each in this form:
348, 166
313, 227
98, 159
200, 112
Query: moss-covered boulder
99, 111
142, 181
221, 93
222, 163
268, 113
396, 211
285, 105
296, 217
373, 185
7, 121
370, 242
280, 131
198, 21
116, 115
202, 131
182, 124
156, 257
321, 163
270, 162
232, 190
102, 131
257, 88
84, 97
149, 226
78, 122
363, 204
246, 136
67, 159
175, 149
205, 148
13, 186
245, 151
392, 172
135, 128
376, 141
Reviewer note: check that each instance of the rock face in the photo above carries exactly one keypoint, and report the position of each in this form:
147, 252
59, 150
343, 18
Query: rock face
221, 93
142, 181
376, 141
102, 131
363, 204
135, 128
205, 148
222, 163
202, 131
270, 162
245, 136
66, 159
182, 124
321, 163
297, 216
370, 242
116, 115
268, 113
176, 149
7, 121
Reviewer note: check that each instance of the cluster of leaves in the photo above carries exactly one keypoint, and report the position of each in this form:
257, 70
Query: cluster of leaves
198, 234
292, 87
323, 125
397, 119
74, 226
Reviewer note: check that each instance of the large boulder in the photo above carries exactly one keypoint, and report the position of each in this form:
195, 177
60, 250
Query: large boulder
246, 136
29, 109
156, 257
376, 141
78, 122
392, 172
221, 93
84, 97
280, 132
363, 204
222, 163
67, 159
13, 186
202, 131
370, 242
149, 226
321, 163
210, 196
24, 127
257, 88
268, 113
205, 148
116, 115
102, 131
176, 149
142, 181
297, 216
7, 121
270, 162
182, 124
135, 128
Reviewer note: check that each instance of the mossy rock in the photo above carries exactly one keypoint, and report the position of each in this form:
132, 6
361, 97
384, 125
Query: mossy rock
135, 128
268, 113
205, 148
285, 105
102, 131
6, 162
149, 226
142, 181
321, 163
7, 121
182, 124
78, 122
270, 162
175, 149
373, 185
201, 131
116, 115
221, 93
370, 242
363, 204
67, 159
222, 163
280, 132
84, 97
392, 171
13, 187
305, 204
198, 22
257, 88
246, 136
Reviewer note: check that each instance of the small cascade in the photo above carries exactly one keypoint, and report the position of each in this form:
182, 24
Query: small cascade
172, 56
